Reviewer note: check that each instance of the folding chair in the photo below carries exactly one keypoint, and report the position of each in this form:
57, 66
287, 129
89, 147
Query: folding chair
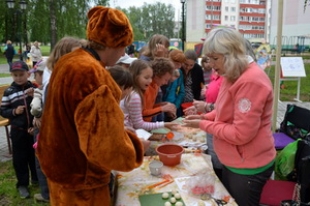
296, 120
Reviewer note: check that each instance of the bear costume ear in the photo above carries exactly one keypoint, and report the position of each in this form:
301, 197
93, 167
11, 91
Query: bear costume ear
109, 27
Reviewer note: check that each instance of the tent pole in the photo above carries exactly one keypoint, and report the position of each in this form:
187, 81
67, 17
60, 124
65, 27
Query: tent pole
276, 86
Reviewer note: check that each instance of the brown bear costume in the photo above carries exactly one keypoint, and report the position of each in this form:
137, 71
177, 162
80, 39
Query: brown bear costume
82, 137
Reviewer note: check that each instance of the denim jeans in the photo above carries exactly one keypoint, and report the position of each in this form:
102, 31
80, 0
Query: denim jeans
41, 177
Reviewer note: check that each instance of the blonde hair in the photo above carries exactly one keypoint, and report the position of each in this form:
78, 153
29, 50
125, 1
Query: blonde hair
231, 44
63, 46
151, 46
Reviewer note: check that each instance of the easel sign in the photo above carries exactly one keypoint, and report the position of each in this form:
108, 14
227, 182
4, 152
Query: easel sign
292, 69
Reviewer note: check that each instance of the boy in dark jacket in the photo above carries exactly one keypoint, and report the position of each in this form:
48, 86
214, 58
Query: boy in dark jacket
15, 106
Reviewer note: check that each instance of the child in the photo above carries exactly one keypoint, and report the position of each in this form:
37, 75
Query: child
133, 103
163, 69
36, 111
15, 106
207, 69
36, 104
175, 91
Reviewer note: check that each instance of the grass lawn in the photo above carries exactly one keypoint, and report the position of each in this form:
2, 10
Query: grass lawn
44, 49
9, 195
4, 75
288, 93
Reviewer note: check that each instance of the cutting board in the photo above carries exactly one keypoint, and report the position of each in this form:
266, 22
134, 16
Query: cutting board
156, 199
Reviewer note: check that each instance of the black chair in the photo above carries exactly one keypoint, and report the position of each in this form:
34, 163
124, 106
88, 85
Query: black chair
296, 124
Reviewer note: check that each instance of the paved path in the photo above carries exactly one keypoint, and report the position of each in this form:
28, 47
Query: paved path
4, 69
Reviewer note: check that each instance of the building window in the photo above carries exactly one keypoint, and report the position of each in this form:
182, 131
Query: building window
261, 11
233, 9
226, 8
232, 18
226, 18
216, 8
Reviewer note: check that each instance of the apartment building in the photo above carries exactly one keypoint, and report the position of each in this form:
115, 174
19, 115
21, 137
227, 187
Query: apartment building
250, 17
255, 19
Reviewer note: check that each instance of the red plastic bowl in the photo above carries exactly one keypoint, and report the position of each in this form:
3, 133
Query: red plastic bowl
170, 154
186, 105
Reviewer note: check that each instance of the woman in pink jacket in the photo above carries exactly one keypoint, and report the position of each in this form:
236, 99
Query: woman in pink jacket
241, 120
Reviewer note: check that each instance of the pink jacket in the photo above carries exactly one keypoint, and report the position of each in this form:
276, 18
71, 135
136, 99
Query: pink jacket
213, 88
241, 121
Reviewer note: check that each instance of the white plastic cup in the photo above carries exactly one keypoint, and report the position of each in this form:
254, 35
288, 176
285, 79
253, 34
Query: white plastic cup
155, 167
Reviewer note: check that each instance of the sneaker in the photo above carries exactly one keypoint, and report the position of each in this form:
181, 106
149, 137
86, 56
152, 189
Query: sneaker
23, 192
39, 198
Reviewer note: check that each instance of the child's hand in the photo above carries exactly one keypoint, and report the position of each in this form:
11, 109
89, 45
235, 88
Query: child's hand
161, 51
29, 92
31, 130
37, 122
169, 107
20, 109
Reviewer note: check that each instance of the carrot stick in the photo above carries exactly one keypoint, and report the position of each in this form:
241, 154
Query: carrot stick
163, 185
156, 184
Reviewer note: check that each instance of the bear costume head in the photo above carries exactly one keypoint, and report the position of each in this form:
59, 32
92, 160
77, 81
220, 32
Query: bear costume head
109, 27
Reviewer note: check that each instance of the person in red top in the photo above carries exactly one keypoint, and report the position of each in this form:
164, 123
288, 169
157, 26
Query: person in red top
241, 120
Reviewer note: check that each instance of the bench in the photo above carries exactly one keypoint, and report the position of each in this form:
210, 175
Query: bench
5, 122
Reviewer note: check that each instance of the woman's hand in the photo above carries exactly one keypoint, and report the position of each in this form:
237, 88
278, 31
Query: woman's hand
195, 116
191, 123
200, 106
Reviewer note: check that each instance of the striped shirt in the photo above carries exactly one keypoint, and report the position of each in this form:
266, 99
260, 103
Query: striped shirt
132, 110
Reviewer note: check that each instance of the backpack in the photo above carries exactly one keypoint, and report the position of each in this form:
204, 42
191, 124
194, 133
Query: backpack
296, 123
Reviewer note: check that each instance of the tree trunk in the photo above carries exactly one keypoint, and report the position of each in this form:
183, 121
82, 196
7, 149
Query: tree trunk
53, 24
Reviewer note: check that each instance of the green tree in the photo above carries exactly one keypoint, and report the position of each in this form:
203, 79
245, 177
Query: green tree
49, 20
151, 19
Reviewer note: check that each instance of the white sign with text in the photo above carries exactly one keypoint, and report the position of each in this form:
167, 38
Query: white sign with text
293, 67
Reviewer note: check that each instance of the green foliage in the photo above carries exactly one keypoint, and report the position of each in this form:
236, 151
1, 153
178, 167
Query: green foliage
69, 18
151, 19
47, 21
